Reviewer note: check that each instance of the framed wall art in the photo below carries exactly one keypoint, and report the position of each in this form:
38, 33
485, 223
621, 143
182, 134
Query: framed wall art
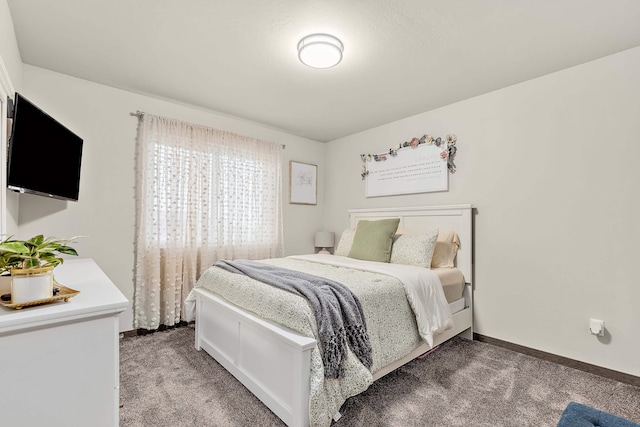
421, 165
303, 183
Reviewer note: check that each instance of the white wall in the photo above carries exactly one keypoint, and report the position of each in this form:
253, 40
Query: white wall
105, 210
10, 80
552, 167
9, 52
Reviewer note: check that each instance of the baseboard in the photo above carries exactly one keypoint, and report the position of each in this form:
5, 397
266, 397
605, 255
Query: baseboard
136, 332
128, 334
565, 361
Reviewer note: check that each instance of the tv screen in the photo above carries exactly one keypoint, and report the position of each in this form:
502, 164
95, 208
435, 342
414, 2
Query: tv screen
44, 156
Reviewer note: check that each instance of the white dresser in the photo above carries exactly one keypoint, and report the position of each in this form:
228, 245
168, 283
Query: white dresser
59, 363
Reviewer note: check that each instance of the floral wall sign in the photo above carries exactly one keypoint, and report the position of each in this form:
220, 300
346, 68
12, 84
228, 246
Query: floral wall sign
416, 166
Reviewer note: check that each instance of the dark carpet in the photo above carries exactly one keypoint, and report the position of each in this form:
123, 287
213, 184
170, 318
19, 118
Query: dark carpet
164, 381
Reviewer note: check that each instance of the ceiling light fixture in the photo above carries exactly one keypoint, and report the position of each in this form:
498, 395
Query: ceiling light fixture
320, 51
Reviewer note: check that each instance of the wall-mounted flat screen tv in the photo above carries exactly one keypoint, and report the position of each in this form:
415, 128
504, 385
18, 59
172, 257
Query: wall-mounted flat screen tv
44, 156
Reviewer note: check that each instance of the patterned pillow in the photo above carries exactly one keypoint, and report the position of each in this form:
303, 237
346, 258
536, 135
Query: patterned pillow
345, 243
414, 249
373, 240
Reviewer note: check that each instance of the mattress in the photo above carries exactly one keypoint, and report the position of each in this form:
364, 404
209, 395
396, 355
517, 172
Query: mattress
452, 281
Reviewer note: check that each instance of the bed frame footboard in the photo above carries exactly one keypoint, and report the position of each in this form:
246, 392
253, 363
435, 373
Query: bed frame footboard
271, 361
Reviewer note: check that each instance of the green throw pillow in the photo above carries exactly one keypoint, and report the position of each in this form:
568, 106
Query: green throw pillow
373, 240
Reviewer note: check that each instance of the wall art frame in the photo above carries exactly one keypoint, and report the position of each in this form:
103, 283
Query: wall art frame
420, 165
303, 183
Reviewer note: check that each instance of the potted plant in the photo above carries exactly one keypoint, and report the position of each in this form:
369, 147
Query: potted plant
29, 265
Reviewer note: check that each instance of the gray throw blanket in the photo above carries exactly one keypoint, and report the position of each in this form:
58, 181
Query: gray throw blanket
338, 312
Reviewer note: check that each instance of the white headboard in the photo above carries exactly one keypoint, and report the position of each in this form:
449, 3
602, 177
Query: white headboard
424, 218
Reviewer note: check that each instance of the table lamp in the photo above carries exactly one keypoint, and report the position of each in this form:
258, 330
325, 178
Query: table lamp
324, 240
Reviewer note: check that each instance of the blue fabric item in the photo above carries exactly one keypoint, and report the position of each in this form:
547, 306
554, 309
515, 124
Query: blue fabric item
579, 415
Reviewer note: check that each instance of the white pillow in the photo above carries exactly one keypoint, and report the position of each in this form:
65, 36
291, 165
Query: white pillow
414, 249
345, 243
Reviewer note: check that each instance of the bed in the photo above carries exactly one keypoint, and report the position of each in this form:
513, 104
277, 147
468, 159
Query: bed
279, 365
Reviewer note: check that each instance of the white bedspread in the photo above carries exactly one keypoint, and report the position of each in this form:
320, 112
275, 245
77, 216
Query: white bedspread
403, 305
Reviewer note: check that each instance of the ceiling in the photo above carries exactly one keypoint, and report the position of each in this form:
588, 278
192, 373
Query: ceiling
238, 57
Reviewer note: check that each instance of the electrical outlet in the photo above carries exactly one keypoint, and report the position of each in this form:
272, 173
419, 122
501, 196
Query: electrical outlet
596, 327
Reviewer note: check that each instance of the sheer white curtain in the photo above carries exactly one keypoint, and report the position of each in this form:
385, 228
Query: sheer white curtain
202, 194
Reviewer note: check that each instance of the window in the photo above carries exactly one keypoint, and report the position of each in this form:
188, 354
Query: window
201, 195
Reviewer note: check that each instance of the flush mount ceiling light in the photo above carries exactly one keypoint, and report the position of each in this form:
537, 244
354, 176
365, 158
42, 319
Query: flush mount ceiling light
320, 51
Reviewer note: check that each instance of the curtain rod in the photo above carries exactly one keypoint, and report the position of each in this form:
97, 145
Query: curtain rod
139, 114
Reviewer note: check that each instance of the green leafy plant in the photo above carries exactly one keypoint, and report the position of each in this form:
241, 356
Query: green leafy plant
36, 252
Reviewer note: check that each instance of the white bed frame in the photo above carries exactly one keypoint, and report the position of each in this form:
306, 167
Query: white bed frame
274, 362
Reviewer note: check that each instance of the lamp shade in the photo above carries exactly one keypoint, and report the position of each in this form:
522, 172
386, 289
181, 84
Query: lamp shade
324, 239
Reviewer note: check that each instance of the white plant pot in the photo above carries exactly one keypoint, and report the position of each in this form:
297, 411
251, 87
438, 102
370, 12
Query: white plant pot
32, 284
